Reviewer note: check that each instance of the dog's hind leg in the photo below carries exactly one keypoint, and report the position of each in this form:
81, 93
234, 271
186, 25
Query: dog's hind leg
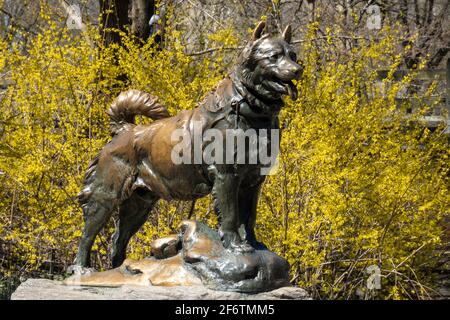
96, 214
133, 213
98, 199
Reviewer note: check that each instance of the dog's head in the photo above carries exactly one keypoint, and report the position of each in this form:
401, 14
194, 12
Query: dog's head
268, 65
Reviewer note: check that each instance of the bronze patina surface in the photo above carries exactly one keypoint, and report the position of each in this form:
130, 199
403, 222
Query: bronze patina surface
135, 169
201, 259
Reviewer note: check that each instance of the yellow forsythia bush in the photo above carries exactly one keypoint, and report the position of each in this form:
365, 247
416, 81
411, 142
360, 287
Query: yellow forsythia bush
357, 184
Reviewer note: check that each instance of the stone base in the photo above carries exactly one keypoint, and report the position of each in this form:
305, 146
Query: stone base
43, 289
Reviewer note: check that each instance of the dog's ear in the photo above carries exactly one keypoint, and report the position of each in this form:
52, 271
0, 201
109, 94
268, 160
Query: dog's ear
287, 34
257, 33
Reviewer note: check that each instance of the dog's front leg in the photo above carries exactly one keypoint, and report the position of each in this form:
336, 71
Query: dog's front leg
248, 203
225, 194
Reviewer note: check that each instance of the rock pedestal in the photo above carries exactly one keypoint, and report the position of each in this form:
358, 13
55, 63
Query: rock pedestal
192, 265
43, 289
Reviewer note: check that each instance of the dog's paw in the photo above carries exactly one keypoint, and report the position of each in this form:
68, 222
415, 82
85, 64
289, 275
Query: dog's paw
232, 241
77, 270
242, 247
258, 245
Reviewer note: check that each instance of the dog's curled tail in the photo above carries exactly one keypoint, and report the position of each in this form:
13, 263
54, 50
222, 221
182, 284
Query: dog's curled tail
130, 104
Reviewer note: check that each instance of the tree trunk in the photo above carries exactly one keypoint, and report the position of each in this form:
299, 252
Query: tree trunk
127, 16
140, 14
113, 17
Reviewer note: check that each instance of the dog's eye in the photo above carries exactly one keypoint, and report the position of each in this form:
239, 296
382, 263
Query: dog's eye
275, 56
293, 56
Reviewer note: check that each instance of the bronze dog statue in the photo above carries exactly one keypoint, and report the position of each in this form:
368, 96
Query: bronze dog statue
135, 169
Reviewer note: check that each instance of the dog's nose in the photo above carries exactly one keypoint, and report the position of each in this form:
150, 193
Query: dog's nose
298, 70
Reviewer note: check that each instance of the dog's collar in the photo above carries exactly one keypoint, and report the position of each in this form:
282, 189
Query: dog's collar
258, 107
